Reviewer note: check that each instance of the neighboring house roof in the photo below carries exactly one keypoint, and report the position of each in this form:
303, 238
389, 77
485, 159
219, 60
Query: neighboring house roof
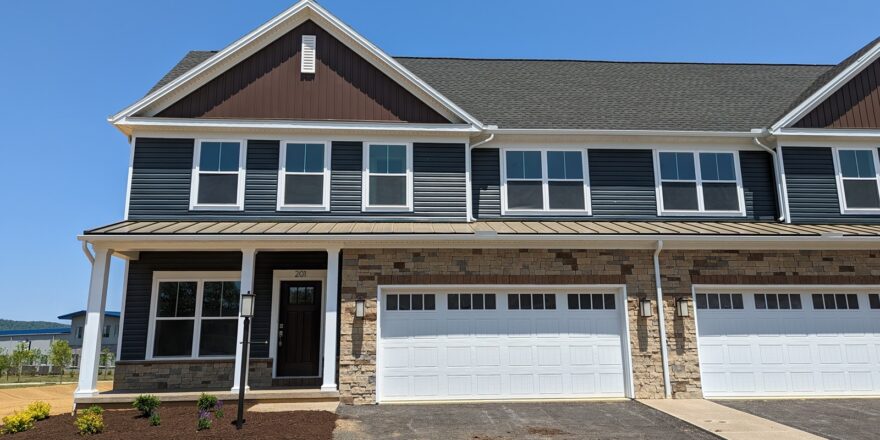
38, 331
558, 94
83, 312
683, 228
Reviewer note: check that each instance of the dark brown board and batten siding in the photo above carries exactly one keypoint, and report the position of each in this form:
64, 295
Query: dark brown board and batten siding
269, 85
855, 105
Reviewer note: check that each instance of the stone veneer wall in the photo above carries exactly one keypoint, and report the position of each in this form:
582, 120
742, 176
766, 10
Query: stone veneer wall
200, 374
364, 270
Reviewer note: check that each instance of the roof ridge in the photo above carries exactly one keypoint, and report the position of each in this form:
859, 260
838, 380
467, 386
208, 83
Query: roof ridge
611, 61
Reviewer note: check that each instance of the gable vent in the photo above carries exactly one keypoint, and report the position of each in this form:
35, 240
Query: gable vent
308, 54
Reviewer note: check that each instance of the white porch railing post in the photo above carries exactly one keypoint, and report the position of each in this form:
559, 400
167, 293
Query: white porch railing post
91, 346
330, 314
248, 258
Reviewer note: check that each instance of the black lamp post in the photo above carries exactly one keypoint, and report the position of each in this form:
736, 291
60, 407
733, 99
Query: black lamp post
247, 312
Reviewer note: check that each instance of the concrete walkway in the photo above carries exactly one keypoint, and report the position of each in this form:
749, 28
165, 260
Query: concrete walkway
60, 397
726, 422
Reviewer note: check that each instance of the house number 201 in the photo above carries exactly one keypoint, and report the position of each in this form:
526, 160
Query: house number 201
299, 274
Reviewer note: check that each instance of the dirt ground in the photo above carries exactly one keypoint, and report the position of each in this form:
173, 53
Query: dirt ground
59, 396
179, 422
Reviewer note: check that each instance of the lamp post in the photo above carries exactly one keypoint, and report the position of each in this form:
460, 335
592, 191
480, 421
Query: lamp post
247, 312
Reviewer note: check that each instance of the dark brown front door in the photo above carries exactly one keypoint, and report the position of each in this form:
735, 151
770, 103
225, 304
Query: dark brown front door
299, 328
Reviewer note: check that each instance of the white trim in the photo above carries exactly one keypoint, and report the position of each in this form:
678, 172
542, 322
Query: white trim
194, 187
279, 276
785, 288
468, 185
263, 35
784, 179
122, 311
131, 146
701, 209
129, 124
599, 132
365, 176
545, 211
500, 289
827, 132
839, 179
199, 277
828, 89
282, 177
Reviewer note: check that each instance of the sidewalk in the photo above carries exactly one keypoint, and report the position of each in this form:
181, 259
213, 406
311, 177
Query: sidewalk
59, 396
726, 422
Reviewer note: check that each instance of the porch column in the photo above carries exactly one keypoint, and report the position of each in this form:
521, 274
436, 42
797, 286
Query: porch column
330, 314
248, 257
91, 345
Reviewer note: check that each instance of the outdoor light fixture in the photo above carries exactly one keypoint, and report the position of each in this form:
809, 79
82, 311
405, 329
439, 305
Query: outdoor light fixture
645, 309
246, 312
359, 308
681, 307
247, 305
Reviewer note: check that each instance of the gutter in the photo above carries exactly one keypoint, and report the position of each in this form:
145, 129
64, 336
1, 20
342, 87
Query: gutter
664, 350
777, 175
89, 255
468, 165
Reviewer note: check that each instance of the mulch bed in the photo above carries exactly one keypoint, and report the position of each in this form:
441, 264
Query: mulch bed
179, 422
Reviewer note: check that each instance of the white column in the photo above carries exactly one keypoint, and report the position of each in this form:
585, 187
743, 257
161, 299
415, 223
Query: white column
330, 314
248, 257
91, 345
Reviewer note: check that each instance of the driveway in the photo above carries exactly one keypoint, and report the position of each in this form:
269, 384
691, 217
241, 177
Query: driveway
850, 419
502, 421
60, 397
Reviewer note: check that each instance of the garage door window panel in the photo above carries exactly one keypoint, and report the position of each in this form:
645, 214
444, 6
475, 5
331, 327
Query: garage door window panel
835, 301
719, 301
471, 301
534, 301
782, 301
410, 302
874, 301
594, 301
858, 180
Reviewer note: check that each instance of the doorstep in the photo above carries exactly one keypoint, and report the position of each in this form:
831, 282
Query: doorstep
116, 399
725, 422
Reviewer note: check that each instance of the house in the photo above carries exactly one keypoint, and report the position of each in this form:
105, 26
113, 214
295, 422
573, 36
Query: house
35, 339
109, 333
481, 229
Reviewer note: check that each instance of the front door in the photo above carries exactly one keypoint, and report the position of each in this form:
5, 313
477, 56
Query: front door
299, 328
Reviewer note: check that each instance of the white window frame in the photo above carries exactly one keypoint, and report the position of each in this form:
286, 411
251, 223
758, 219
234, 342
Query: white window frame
838, 175
365, 176
701, 208
545, 180
194, 188
282, 178
181, 276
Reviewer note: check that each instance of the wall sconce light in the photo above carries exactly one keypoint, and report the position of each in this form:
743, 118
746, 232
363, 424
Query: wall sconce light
359, 308
681, 307
645, 309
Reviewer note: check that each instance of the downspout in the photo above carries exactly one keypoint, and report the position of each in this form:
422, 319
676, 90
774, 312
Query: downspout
661, 316
777, 176
470, 172
89, 255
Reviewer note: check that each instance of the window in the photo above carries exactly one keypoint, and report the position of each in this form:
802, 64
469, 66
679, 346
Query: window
411, 302
858, 181
874, 300
531, 301
106, 333
470, 301
587, 301
218, 176
79, 332
721, 301
388, 179
835, 301
708, 185
780, 301
195, 317
540, 181
304, 177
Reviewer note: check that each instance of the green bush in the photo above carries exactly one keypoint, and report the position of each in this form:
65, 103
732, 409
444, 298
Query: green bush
155, 420
39, 410
204, 420
89, 423
146, 404
206, 402
17, 422
94, 409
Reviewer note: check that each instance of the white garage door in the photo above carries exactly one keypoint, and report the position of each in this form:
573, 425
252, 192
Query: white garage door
473, 346
789, 344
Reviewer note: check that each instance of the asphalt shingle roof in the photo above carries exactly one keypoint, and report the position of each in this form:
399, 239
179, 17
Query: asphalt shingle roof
606, 95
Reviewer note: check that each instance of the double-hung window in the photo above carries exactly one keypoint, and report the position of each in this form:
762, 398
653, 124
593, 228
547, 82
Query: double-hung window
388, 177
218, 175
304, 177
699, 183
546, 181
858, 180
194, 315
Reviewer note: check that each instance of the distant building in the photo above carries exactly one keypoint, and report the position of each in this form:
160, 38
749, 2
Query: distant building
40, 339
110, 332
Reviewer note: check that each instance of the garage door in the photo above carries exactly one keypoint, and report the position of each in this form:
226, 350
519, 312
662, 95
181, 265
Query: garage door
789, 344
484, 346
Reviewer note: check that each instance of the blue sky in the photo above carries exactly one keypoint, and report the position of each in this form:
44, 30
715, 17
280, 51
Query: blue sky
68, 65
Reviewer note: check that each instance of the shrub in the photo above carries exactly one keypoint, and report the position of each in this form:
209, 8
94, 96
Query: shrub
146, 404
218, 410
94, 409
155, 420
206, 402
39, 410
89, 423
204, 420
17, 422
